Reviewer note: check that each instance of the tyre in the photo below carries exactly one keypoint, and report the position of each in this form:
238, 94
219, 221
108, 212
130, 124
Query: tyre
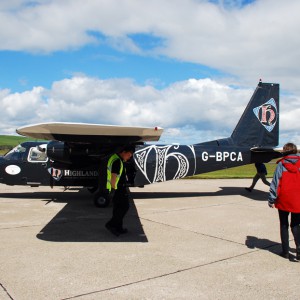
101, 201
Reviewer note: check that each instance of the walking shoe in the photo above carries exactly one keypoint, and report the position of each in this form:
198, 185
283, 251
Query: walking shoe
298, 256
112, 229
285, 255
123, 230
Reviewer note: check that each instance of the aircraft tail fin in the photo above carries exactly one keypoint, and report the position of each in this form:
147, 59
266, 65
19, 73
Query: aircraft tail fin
259, 124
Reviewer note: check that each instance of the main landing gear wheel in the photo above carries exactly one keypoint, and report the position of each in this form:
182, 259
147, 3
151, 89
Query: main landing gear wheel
101, 201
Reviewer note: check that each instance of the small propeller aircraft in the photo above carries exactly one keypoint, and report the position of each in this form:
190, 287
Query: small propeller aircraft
75, 150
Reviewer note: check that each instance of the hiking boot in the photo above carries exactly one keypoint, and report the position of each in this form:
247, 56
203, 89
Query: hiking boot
296, 234
123, 230
285, 255
112, 229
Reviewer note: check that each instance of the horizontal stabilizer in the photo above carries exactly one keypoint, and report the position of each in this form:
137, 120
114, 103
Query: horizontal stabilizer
264, 154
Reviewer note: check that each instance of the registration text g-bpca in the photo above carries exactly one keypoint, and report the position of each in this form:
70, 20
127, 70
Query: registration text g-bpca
222, 156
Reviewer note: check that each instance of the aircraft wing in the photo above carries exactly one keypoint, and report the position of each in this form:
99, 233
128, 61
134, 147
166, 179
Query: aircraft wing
90, 133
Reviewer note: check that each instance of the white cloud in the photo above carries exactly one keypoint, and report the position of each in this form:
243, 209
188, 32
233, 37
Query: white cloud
248, 42
19, 106
191, 111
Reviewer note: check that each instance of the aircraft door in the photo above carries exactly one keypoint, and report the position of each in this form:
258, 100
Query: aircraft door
35, 169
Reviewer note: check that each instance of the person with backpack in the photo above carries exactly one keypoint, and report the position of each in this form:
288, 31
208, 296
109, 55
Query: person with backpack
285, 196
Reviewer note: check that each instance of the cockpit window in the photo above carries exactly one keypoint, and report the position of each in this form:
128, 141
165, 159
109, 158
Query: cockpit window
16, 153
37, 155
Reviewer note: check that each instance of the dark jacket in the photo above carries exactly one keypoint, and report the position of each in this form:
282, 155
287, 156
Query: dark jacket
261, 168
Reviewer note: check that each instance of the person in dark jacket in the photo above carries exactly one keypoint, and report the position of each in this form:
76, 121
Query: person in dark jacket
285, 196
261, 172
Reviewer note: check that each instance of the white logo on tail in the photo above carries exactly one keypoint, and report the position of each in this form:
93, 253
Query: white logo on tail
267, 114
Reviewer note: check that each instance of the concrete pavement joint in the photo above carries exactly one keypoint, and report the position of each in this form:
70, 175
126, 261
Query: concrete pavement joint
190, 208
161, 276
203, 234
177, 271
5, 291
203, 266
58, 221
20, 227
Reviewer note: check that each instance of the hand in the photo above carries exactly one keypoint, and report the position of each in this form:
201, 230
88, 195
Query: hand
271, 205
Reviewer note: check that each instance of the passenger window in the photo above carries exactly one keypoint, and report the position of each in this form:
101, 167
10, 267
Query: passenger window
35, 155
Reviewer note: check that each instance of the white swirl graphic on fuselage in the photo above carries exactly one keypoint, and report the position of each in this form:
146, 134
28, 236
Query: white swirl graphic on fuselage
159, 156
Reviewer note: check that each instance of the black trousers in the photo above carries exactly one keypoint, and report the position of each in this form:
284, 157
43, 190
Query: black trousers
120, 207
284, 229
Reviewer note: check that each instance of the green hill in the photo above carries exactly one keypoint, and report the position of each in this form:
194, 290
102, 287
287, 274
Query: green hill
7, 142
247, 171
12, 140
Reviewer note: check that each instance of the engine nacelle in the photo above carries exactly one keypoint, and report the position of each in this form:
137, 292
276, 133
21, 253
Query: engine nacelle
59, 151
75, 155
64, 153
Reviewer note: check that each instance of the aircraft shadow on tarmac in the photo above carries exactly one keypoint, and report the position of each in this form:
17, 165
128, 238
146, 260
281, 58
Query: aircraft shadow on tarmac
80, 221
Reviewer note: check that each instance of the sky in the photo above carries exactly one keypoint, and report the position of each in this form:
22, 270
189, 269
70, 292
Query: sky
189, 66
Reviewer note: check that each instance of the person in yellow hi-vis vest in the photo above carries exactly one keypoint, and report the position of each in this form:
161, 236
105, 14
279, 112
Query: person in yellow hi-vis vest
116, 185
